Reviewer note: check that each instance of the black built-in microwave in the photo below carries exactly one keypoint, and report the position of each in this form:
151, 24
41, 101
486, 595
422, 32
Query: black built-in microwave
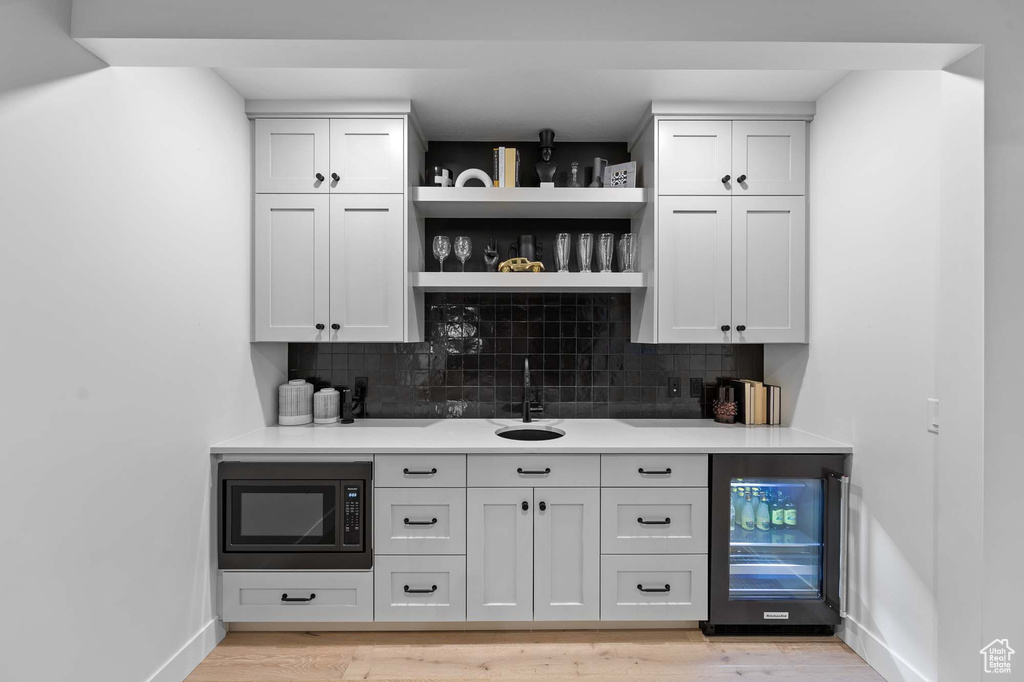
288, 515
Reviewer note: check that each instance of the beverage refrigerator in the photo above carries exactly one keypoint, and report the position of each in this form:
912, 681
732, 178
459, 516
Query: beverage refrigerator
777, 543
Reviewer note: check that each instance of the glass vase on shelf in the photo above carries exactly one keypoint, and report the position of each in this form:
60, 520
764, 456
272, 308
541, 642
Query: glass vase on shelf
574, 175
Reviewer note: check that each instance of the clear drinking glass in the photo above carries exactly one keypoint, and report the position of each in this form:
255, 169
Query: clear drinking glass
605, 250
563, 247
585, 250
442, 247
463, 250
627, 252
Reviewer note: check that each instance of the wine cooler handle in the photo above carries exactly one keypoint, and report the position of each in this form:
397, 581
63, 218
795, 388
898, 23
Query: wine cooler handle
844, 504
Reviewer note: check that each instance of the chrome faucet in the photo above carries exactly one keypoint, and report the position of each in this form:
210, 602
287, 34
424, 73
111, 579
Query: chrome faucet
528, 407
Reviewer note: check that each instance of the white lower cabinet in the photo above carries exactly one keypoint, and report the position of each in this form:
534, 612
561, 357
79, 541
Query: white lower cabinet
499, 554
654, 520
566, 554
533, 554
661, 587
306, 596
419, 521
420, 588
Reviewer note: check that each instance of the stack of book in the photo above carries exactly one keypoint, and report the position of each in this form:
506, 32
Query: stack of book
756, 402
506, 167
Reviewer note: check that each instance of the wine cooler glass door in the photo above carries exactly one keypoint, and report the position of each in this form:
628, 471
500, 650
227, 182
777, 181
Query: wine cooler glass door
776, 539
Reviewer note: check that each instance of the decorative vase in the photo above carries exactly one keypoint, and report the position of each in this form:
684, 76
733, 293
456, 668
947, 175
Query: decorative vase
599, 166
295, 403
326, 406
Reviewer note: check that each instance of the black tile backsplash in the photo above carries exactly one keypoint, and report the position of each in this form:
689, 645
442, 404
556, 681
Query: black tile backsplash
582, 363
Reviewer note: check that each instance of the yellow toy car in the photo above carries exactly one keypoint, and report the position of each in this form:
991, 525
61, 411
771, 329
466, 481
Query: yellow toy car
520, 265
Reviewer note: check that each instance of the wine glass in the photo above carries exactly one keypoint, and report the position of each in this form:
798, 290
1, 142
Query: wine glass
442, 247
463, 250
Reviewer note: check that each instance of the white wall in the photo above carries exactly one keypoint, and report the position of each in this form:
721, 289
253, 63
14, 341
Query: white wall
960, 362
124, 299
870, 365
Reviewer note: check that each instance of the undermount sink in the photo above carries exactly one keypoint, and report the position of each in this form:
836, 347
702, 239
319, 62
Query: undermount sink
533, 432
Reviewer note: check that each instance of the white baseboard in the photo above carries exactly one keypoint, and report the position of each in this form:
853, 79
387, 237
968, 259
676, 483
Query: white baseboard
525, 626
178, 667
878, 655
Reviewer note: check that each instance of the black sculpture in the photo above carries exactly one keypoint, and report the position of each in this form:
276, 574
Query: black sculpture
546, 168
491, 256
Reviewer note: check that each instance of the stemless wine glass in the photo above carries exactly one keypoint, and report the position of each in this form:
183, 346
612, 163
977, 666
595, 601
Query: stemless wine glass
463, 250
563, 246
585, 250
442, 247
605, 249
627, 252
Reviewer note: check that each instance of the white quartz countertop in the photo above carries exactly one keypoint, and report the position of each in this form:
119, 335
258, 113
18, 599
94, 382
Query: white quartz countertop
604, 436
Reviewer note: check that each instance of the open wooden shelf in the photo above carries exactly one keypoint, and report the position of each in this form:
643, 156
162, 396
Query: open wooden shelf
567, 282
528, 202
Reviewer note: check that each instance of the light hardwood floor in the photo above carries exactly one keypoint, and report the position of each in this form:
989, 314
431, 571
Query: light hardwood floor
596, 656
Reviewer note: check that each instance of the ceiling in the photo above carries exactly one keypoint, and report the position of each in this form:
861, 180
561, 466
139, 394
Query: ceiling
510, 104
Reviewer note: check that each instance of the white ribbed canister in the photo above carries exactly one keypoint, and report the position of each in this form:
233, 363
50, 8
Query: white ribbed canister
295, 403
326, 406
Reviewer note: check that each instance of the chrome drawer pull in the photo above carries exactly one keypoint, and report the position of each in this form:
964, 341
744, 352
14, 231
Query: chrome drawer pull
666, 472
525, 472
433, 589
667, 588
641, 521
311, 597
431, 522
419, 473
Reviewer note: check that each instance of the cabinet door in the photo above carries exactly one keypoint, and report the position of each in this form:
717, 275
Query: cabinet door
367, 155
499, 554
694, 157
290, 154
694, 262
769, 156
292, 268
367, 268
567, 554
769, 269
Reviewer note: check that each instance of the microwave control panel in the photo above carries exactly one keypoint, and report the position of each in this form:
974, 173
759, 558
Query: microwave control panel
353, 515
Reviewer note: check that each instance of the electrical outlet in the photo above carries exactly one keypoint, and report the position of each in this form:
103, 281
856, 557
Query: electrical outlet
674, 391
362, 384
696, 388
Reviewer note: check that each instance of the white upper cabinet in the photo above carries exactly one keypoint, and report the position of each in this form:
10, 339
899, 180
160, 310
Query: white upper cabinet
567, 554
292, 156
367, 156
694, 270
732, 231
694, 157
769, 157
703, 158
769, 270
292, 268
367, 262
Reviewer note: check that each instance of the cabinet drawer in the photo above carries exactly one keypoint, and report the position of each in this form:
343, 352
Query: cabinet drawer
420, 471
260, 597
654, 587
635, 471
654, 521
420, 588
539, 471
419, 521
